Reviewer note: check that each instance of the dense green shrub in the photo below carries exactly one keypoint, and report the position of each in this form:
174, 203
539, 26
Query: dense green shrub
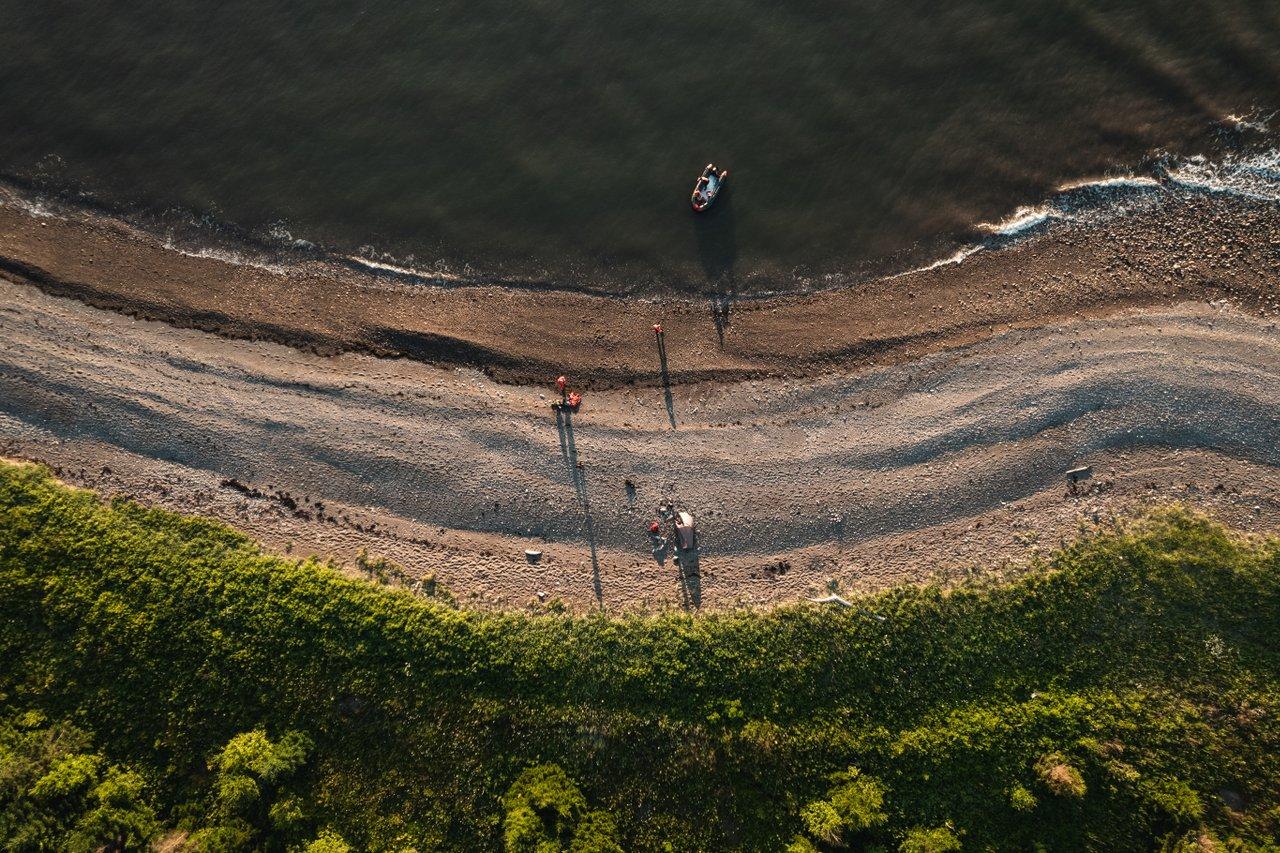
852, 805
328, 842
248, 802
55, 795
547, 813
939, 839
1143, 659
1021, 799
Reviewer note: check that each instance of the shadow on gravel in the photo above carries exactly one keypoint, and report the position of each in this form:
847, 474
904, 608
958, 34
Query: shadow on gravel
435, 348
690, 579
569, 452
666, 380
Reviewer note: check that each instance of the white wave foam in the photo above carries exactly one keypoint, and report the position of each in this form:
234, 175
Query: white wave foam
1255, 176
383, 266
957, 258
283, 235
1124, 182
1257, 124
1023, 220
226, 258
1090, 199
32, 207
1087, 200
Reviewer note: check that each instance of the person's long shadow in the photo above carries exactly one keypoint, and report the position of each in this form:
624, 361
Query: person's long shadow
718, 253
569, 452
690, 579
666, 379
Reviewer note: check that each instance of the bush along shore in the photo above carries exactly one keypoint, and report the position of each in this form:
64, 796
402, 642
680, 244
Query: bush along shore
165, 682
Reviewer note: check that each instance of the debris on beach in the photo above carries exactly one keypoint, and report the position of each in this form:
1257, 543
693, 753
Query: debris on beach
1083, 472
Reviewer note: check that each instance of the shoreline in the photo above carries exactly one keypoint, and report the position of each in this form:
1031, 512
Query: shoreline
1250, 174
1183, 244
1087, 200
932, 413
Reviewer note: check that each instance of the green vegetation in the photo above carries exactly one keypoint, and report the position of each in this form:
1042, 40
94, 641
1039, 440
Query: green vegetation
163, 678
247, 806
852, 806
940, 839
55, 794
545, 811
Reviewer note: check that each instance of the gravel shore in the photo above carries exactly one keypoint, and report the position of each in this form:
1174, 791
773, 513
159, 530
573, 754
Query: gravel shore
862, 478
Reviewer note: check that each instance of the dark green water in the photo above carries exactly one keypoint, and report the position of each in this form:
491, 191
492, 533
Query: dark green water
560, 140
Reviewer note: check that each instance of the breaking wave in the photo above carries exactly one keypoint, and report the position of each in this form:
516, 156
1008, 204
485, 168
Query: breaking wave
1255, 176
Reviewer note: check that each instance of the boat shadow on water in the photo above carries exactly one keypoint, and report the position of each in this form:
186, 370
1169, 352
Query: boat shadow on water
718, 253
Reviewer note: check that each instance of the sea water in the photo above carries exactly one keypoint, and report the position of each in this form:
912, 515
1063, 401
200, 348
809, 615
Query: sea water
559, 141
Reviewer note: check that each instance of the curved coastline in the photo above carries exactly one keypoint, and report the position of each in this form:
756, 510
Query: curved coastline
1095, 336
1093, 248
1254, 176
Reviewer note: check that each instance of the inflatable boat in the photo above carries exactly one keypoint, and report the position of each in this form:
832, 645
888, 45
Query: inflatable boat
708, 186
